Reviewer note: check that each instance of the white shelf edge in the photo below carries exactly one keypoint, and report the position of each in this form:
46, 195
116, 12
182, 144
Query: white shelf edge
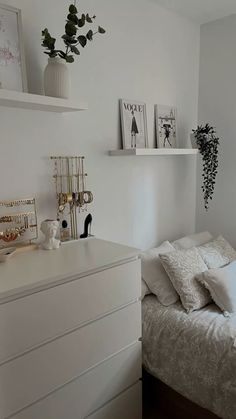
13, 99
154, 152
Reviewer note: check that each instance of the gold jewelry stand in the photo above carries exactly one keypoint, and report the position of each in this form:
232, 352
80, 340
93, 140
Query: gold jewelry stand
72, 196
18, 219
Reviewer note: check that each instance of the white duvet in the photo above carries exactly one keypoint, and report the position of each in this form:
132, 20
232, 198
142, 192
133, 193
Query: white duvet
195, 354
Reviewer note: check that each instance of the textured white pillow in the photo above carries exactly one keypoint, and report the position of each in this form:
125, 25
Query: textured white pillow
221, 284
182, 266
192, 241
155, 276
217, 253
145, 289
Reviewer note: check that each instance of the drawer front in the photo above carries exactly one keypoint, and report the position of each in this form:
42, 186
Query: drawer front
91, 390
127, 406
28, 378
29, 321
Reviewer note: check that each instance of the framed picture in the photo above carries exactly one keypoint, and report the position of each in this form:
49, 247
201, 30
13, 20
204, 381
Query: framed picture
134, 124
166, 126
12, 58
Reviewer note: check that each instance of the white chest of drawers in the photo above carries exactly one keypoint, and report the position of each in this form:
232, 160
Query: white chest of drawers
70, 328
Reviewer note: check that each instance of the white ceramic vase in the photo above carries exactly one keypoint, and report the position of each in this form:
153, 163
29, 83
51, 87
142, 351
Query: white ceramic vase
57, 78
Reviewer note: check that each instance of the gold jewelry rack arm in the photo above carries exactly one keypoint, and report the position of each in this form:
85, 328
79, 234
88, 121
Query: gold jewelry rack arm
16, 218
17, 202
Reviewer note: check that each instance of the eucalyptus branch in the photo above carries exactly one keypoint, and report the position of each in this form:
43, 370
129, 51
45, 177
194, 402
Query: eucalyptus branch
71, 38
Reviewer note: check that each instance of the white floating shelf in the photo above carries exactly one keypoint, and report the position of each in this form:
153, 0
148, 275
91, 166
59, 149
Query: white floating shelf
154, 152
12, 99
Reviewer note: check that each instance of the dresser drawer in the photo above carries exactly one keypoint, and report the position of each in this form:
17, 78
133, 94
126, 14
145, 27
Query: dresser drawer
26, 379
127, 406
92, 390
32, 320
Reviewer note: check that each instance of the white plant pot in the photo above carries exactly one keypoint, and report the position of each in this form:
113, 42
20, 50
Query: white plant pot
193, 141
57, 78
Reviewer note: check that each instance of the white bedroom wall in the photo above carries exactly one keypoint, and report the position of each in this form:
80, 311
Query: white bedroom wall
217, 105
148, 54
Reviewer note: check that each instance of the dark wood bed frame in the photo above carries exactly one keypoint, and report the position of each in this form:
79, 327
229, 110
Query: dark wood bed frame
159, 401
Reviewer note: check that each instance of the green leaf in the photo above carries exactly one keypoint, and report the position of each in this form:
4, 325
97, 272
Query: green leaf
70, 59
82, 21
73, 9
88, 18
101, 30
82, 40
89, 35
75, 50
48, 41
45, 32
73, 18
71, 29
62, 54
69, 40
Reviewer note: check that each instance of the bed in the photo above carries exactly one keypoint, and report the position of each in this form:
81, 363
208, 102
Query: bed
193, 354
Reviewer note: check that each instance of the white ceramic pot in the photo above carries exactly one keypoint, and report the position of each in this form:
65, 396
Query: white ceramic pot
57, 78
193, 140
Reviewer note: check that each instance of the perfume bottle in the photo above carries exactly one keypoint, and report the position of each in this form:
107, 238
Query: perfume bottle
65, 231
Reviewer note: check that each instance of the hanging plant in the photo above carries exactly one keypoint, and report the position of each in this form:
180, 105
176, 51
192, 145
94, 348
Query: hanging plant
208, 143
71, 38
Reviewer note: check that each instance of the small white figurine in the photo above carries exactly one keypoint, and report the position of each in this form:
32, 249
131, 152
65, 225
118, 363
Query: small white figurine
50, 228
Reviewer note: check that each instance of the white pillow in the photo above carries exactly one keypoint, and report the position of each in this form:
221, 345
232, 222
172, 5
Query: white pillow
155, 276
182, 266
145, 289
221, 284
217, 253
192, 240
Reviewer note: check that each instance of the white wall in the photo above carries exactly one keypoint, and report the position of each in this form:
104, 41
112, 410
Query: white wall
148, 54
217, 105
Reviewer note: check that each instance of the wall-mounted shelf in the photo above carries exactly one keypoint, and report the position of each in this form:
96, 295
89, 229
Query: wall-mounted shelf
12, 99
154, 152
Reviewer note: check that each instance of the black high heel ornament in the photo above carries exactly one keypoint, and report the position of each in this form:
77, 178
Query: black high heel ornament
87, 227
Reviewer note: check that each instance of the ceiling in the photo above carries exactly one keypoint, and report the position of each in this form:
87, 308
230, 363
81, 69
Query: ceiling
201, 11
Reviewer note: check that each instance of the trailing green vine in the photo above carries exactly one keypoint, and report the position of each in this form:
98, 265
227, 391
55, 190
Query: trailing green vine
208, 143
71, 38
